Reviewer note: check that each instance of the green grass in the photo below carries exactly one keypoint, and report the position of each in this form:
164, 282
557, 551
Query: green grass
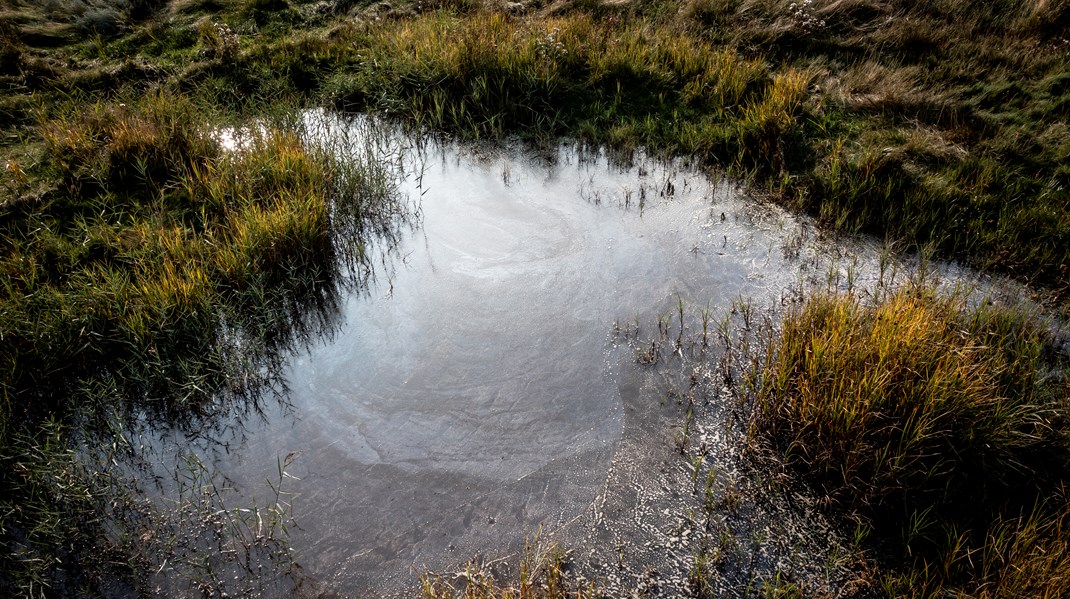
541, 573
944, 426
154, 273
624, 84
151, 227
941, 125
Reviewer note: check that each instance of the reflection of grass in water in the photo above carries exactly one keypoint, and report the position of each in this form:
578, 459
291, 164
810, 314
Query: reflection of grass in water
91, 529
942, 425
158, 275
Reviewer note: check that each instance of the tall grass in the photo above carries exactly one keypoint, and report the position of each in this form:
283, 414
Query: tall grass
152, 229
945, 425
626, 82
156, 277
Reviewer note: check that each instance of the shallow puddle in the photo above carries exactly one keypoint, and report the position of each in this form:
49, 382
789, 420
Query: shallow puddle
475, 391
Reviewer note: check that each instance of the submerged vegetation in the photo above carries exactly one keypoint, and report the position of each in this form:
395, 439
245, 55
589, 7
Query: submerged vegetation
139, 250
541, 573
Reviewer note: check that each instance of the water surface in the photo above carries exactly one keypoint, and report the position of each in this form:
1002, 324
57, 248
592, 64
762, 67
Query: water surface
475, 390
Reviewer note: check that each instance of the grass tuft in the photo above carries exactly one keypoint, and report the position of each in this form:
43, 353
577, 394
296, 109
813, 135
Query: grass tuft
943, 423
151, 228
541, 573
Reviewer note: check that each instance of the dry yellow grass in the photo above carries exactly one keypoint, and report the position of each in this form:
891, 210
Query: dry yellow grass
941, 424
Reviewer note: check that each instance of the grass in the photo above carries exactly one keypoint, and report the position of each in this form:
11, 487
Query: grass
942, 424
133, 244
959, 149
541, 573
92, 530
150, 272
938, 125
623, 84
150, 229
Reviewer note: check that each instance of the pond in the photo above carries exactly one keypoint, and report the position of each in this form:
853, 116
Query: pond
482, 385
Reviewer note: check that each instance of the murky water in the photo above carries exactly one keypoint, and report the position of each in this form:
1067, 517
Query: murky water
476, 391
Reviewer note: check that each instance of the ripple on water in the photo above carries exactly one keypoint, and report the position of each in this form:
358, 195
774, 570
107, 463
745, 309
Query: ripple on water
473, 393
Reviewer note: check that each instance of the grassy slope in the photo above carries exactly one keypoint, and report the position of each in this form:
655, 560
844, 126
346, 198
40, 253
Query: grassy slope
942, 125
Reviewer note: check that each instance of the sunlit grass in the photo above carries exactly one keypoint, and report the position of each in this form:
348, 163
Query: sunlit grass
152, 231
942, 424
541, 573
146, 279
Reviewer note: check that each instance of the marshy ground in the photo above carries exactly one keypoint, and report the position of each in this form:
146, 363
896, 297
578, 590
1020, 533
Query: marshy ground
154, 275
